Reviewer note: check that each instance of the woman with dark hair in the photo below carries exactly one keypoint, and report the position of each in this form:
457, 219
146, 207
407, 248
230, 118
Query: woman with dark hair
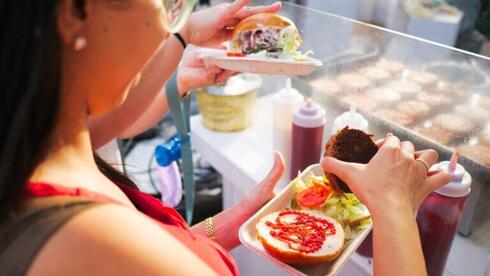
65, 212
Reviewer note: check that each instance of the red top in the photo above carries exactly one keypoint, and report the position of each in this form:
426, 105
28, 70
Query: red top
210, 252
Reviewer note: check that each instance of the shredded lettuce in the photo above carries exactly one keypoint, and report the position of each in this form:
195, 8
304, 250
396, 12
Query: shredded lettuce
288, 43
299, 184
364, 224
348, 232
297, 57
300, 56
349, 212
347, 206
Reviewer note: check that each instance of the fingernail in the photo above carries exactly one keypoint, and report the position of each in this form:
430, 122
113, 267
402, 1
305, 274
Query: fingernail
431, 173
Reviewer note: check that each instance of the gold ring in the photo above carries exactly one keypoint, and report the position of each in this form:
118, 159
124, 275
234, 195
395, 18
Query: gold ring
426, 165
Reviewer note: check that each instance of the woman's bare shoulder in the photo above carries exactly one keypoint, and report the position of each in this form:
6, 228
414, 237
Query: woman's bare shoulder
115, 240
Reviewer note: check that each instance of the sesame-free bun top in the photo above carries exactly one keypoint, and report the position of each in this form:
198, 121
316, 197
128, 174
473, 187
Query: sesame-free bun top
265, 19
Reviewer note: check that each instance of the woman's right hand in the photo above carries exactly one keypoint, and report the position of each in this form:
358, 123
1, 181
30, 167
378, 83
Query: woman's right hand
393, 178
192, 73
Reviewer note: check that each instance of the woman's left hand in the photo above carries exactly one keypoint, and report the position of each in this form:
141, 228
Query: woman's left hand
264, 191
210, 27
227, 223
193, 74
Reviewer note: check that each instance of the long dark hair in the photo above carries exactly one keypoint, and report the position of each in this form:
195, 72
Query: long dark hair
30, 80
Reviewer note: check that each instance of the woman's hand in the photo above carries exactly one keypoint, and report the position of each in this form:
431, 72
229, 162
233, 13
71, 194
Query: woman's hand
393, 177
210, 27
392, 185
228, 222
263, 192
192, 74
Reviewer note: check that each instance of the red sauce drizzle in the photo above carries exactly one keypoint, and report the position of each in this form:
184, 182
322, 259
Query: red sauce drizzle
305, 234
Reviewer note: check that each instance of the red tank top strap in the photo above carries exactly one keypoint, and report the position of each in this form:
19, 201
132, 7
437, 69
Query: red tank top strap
153, 207
145, 203
35, 190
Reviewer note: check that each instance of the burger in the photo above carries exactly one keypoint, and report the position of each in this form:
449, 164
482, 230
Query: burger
266, 32
349, 145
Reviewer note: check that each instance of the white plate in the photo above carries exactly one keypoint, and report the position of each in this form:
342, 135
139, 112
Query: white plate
248, 235
255, 65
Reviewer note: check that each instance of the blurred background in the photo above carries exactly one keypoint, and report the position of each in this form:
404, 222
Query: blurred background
464, 24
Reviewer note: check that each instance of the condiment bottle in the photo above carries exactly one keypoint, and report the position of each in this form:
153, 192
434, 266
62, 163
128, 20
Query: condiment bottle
351, 118
286, 101
308, 125
439, 215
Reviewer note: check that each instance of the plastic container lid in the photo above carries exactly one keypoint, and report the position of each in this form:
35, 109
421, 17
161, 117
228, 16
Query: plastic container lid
352, 119
236, 85
460, 184
289, 94
309, 115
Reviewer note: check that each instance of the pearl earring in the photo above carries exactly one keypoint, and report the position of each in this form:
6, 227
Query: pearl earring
80, 43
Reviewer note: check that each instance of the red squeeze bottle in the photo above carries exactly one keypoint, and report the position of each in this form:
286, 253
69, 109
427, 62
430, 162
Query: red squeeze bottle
308, 124
439, 215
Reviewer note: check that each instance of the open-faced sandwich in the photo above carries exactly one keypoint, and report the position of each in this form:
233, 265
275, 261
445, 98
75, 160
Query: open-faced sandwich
267, 35
301, 236
316, 225
321, 217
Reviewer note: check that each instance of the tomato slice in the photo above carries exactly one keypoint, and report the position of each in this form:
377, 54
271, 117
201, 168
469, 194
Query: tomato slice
313, 196
235, 54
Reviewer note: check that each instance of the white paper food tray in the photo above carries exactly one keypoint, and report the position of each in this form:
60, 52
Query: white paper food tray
256, 65
248, 235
